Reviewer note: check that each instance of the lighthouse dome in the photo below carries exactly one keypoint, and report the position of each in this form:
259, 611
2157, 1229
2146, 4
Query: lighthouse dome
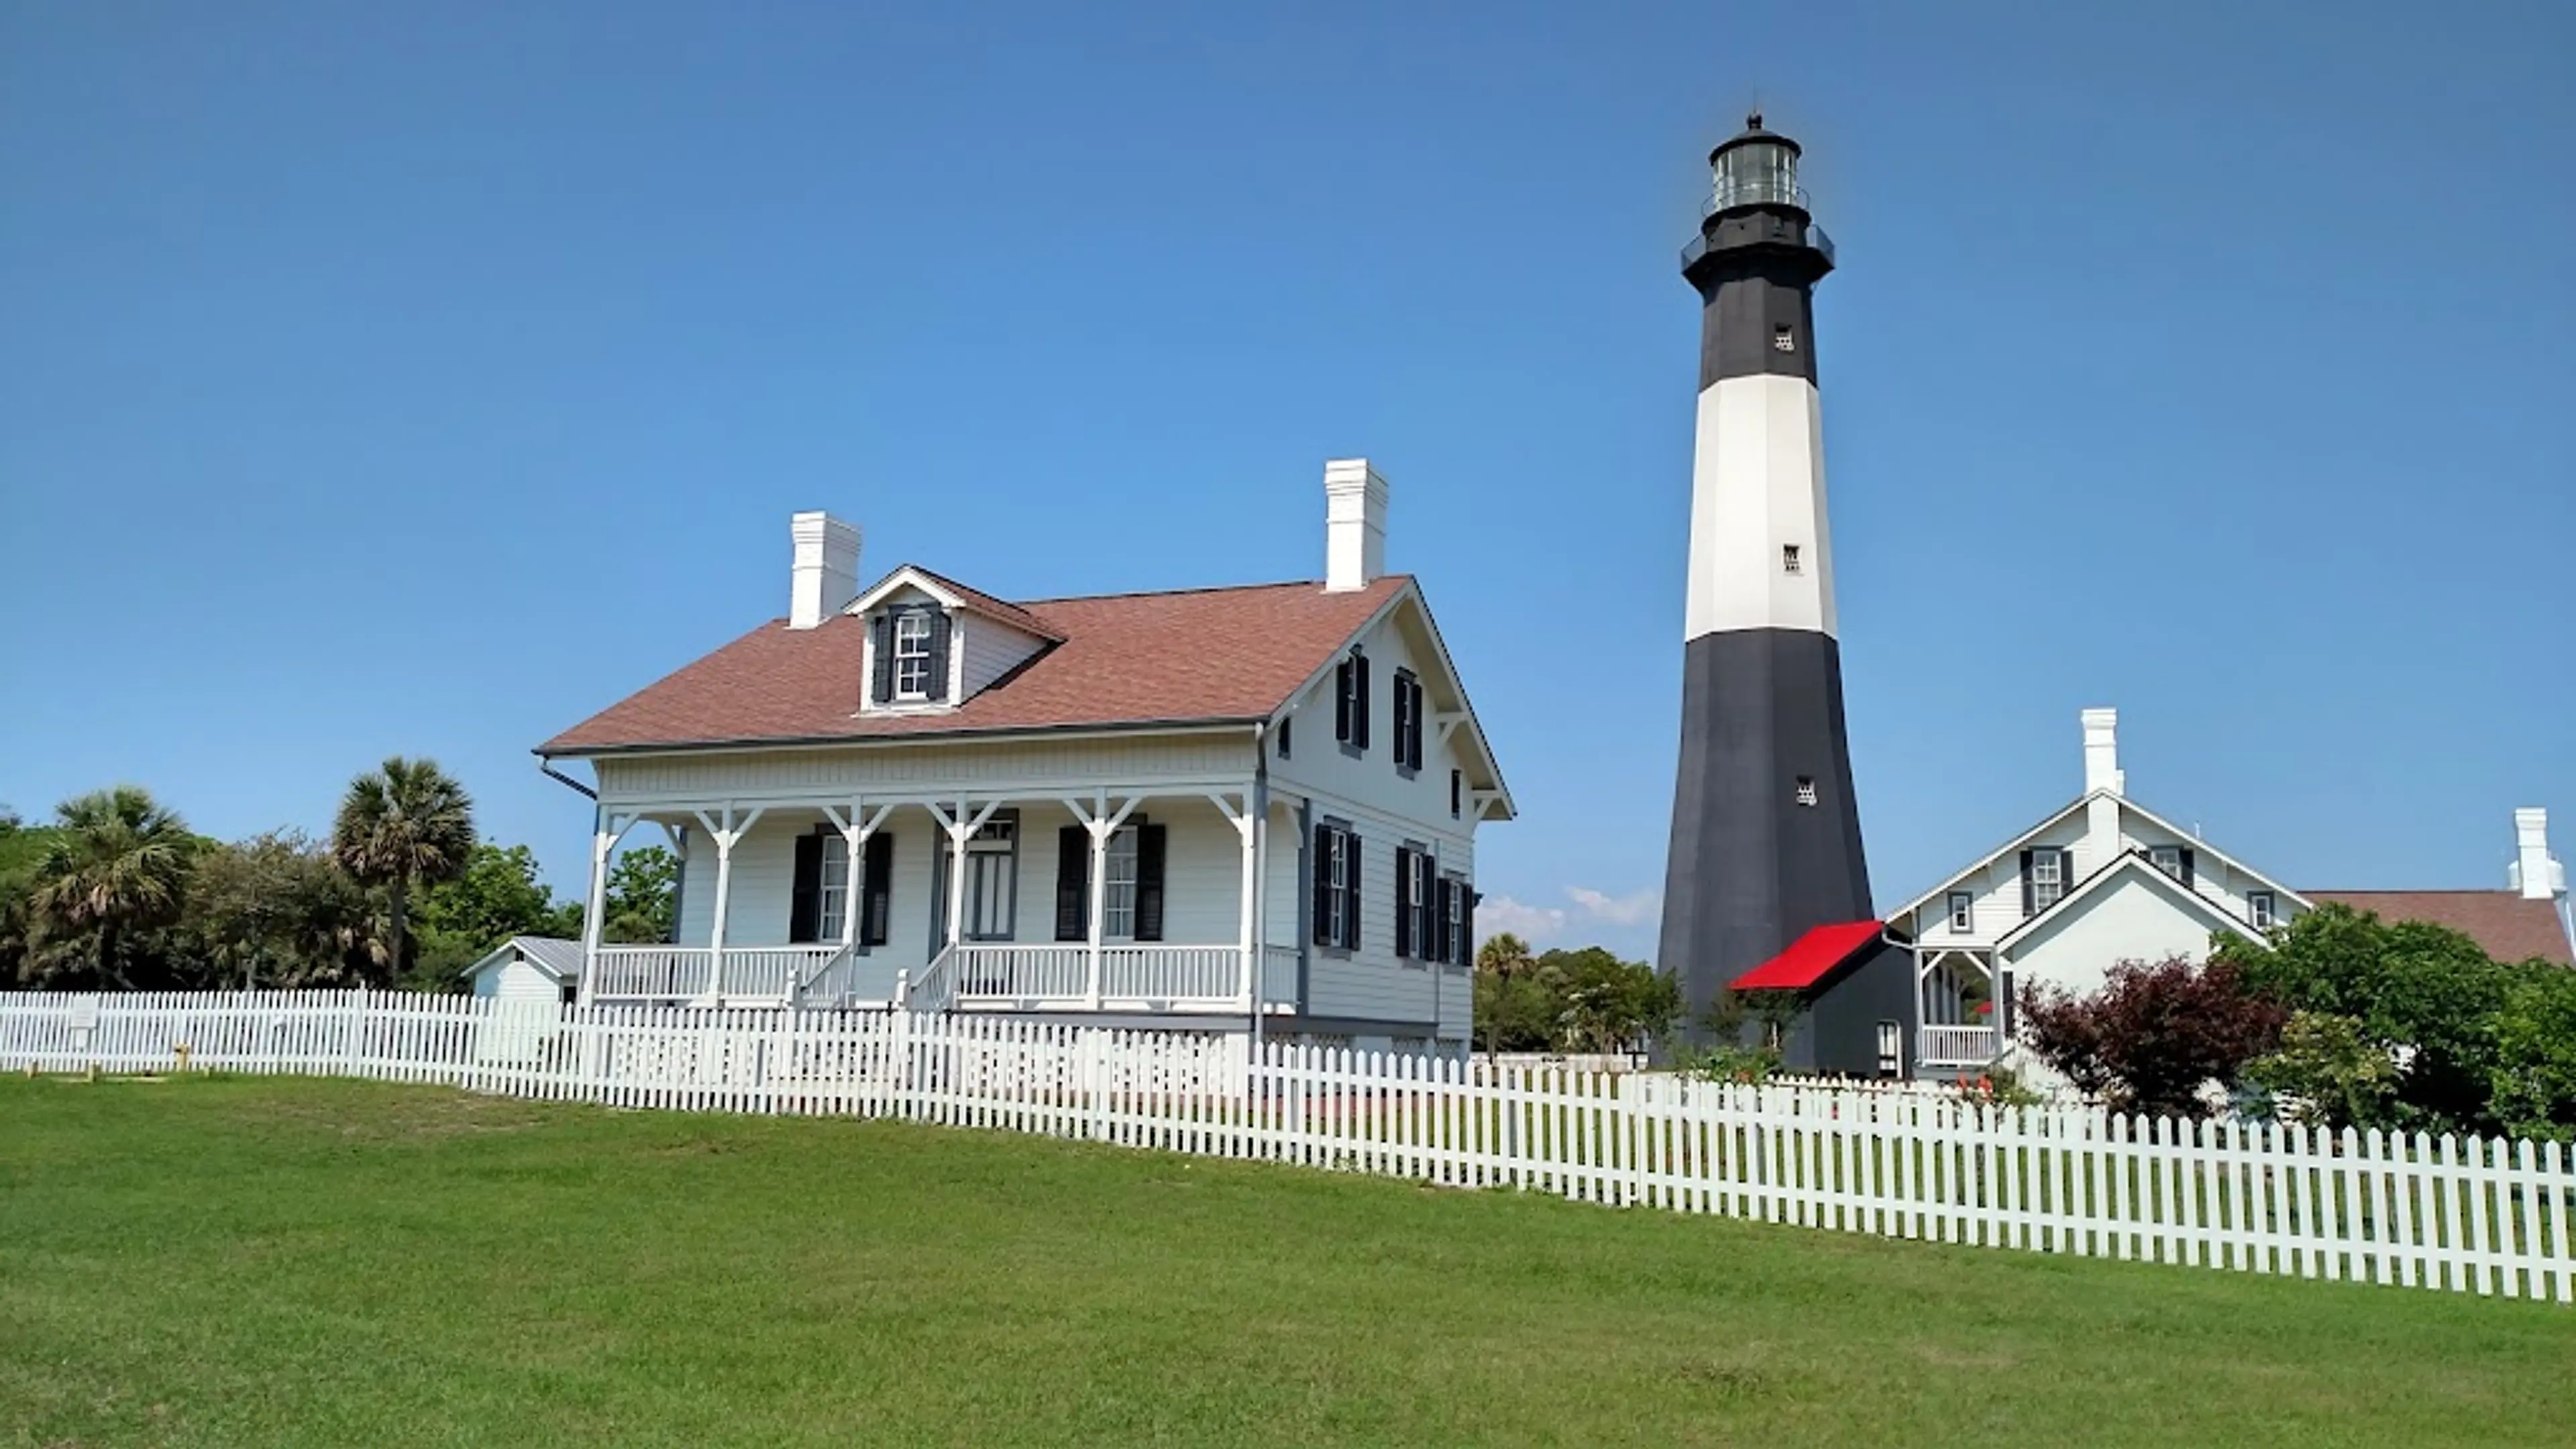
1755, 168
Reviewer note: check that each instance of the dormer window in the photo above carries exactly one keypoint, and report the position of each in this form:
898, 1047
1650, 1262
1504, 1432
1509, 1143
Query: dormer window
912, 655
911, 646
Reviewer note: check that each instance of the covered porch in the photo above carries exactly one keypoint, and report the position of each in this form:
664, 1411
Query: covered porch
1960, 997
1133, 901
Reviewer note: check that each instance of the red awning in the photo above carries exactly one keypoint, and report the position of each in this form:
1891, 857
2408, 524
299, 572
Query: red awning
1809, 958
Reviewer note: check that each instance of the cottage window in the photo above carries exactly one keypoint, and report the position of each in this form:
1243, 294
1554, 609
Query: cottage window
2260, 909
1963, 911
2047, 878
912, 655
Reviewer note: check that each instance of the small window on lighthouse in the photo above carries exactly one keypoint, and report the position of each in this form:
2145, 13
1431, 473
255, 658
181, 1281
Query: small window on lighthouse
1806, 790
1789, 559
1783, 339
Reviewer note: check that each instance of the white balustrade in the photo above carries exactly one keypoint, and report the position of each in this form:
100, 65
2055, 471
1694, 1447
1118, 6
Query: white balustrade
1152, 973
992, 971
1956, 1046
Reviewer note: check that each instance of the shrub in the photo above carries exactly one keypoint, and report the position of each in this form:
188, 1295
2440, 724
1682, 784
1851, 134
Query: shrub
2155, 1035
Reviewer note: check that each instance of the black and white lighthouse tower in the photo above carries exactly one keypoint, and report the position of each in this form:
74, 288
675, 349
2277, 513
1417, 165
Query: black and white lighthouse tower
1766, 841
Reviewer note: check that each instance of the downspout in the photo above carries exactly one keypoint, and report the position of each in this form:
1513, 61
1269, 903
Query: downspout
1259, 803
546, 767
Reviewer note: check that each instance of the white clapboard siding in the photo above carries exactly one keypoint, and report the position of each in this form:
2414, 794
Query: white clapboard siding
2480, 1215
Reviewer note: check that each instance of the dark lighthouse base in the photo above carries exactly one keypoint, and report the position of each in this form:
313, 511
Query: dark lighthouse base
1766, 841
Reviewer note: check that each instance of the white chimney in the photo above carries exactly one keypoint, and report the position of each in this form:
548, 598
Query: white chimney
826, 574
2533, 873
1354, 525
2102, 751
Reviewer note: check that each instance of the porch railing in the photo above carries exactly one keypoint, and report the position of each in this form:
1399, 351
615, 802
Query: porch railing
1956, 1046
993, 972
688, 973
1171, 973
654, 973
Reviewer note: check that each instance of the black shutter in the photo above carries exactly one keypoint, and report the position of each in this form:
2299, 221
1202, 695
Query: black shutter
1149, 882
1403, 893
1342, 702
939, 622
805, 895
2186, 867
1320, 887
876, 890
1351, 888
1442, 946
1360, 701
1072, 884
1402, 713
1466, 924
881, 639
2029, 896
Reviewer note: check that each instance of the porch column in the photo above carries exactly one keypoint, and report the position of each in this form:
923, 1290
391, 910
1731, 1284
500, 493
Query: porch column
960, 830
1100, 825
856, 827
594, 903
1243, 822
727, 835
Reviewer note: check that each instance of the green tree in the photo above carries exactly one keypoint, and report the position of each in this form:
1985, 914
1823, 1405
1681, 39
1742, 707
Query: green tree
2533, 1081
275, 911
2426, 995
643, 897
1605, 1004
112, 877
2328, 1073
496, 896
403, 825
1504, 954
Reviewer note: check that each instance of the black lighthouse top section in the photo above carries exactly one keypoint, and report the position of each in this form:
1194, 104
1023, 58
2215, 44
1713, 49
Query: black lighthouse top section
1756, 214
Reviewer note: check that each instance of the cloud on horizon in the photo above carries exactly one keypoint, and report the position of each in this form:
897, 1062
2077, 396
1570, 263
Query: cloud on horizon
1539, 925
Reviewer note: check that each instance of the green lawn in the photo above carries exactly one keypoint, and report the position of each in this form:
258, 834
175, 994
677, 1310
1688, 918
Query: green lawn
316, 1262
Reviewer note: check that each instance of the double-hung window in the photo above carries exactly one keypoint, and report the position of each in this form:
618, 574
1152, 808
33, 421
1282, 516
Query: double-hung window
2047, 878
1351, 703
1408, 722
832, 888
1963, 911
2045, 874
2262, 910
1118, 887
1413, 876
1336, 904
912, 655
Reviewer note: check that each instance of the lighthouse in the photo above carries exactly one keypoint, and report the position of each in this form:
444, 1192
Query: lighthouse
1766, 838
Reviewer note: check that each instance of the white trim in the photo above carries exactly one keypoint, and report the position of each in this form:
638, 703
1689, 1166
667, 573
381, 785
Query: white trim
2099, 880
1410, 592
2199, 847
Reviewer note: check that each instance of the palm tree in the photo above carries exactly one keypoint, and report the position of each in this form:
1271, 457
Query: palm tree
407, 823
117, 867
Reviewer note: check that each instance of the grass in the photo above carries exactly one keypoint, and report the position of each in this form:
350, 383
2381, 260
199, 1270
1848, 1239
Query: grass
217, 1261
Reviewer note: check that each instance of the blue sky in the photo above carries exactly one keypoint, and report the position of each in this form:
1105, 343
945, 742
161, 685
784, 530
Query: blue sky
379, 382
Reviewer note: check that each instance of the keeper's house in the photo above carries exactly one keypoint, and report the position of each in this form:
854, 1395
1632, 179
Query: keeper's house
1170, 809
1930, 989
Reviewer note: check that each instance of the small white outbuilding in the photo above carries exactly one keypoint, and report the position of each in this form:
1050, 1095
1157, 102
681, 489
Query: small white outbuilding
528, 968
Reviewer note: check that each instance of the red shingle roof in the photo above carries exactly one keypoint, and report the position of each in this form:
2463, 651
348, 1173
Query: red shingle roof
2504, 924
1194, 657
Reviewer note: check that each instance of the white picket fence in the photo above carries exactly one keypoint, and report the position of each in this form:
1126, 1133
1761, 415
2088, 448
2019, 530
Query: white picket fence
2483, 1216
